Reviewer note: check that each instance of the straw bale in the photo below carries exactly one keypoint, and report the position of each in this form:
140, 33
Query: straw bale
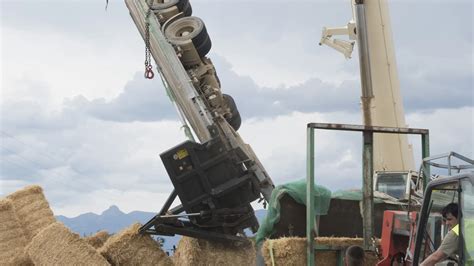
12, 237
129, 247
292, 250
57, 245
192, 251
98, 239
339, 241
32, 209
21, 260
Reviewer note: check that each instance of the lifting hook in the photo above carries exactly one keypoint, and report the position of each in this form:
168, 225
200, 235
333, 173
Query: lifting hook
149, 72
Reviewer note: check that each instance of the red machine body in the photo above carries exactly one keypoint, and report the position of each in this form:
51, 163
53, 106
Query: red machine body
398, 231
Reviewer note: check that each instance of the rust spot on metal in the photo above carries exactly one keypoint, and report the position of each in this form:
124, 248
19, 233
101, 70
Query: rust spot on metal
366, 110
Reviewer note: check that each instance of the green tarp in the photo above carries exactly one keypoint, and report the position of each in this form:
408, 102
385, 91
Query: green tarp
297, 190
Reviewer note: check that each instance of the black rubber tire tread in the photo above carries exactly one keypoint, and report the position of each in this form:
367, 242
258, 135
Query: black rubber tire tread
187, 10
198, 36
181, 5
204, 48
160, 6
201, 41
236, 121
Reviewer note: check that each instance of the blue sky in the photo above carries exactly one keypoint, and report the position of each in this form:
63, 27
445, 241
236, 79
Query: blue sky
78, 118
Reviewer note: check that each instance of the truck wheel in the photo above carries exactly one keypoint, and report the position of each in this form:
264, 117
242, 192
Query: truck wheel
189, 28
187, 9
181, 5
236, 120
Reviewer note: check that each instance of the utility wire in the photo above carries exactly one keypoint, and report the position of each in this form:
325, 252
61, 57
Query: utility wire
38, 166
30, 163
8, 160
49, 155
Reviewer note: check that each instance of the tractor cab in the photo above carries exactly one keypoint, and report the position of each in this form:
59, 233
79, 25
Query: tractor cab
440, 192
397, 184
410, 236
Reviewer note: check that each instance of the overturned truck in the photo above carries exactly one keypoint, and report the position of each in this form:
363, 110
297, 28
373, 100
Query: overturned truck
217, 176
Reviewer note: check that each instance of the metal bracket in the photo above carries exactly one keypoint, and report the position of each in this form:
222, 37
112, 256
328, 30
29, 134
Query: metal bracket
168, 222
342, 46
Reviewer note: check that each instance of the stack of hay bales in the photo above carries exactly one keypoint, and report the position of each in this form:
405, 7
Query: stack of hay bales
128, 247
30, 235
57, 245
12, 237
292, 250
98, 239
32, 210
192, 251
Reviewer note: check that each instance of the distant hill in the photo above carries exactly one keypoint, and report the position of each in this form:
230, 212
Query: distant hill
113, 220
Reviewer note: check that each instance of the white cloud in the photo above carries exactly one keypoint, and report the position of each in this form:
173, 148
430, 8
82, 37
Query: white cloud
99, 200
67, 64
277, 44
88, 159
99, 163
450, 130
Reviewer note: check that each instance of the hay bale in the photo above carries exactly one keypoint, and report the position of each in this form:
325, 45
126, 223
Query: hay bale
292, 250
98, 239
342, 242
21, 260
32, 210
12, 237
192, 251
128, 247
57, 245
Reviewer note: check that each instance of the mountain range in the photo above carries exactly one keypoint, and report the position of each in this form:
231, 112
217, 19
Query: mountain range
113, 220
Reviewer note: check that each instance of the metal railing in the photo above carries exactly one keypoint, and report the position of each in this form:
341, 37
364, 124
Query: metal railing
367, 175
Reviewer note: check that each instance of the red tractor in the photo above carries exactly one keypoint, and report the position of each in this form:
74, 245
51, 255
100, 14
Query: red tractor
409, 237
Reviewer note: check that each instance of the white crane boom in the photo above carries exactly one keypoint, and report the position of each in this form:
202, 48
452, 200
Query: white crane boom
381, 99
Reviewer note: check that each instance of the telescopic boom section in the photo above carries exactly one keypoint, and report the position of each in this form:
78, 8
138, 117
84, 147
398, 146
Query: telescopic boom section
381, 99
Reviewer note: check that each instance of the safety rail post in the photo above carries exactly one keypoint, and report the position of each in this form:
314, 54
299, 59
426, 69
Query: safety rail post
367, 170
425, 152
310, 196
368, 186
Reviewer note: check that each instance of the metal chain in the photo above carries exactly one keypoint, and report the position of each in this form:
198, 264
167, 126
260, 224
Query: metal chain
148, 65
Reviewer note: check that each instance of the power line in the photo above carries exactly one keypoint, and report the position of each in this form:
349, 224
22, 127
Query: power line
28, 146
39, 167
6, 159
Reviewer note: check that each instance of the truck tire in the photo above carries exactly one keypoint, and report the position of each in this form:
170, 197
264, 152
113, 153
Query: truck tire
182, 5
187, 9
163, 4
189, 28
235, 121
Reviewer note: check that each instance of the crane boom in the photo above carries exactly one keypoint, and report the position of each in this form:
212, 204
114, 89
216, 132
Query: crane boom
385, 106
381, 99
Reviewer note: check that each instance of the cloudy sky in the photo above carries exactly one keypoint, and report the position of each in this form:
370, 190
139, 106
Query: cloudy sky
79, 119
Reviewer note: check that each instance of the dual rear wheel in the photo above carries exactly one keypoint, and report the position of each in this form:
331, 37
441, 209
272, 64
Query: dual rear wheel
187, 29
183, 6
